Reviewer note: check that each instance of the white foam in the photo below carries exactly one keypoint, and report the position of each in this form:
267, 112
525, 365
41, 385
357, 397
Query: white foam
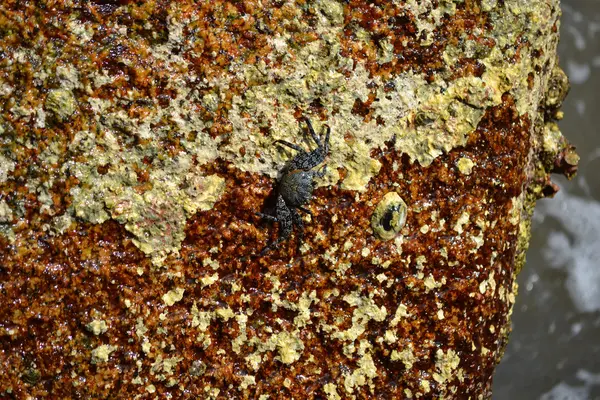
578, 38
563, 391
576, 248
580, 107
578, 73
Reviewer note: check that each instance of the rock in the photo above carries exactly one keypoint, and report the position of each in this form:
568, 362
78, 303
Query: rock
402, 281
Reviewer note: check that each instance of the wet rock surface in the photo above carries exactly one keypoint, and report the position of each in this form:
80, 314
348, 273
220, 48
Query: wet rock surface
138, 145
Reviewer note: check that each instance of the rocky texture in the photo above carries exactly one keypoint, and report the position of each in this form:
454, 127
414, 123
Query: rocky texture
138, 144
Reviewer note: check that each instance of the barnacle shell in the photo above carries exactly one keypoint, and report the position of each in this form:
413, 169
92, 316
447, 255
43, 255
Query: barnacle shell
62, 103
389, 216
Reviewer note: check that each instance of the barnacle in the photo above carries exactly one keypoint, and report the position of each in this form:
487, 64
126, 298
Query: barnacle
389, 216
62, 103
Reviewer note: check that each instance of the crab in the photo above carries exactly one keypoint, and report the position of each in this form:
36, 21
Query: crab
296, 185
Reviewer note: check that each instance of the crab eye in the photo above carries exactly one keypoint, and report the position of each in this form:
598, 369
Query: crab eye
389, 216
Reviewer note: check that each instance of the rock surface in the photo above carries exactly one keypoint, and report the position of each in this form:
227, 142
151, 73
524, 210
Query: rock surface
137, 145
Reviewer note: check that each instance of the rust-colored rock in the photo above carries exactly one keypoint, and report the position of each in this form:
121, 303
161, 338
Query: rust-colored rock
137, 146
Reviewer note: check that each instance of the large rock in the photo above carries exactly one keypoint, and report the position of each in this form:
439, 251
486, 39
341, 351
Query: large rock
130, 258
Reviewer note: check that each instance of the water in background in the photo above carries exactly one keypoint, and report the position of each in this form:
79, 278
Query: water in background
554, 350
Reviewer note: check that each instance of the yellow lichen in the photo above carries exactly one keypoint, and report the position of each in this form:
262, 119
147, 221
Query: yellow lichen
97, 327
463, 219
365, 310
225, 313
247, 380
165, 365
406, 356
445, 364
289, 347
173, 296
401, 312
236, 344
209, 279
361, 376
101, 353
465, 165
331, 391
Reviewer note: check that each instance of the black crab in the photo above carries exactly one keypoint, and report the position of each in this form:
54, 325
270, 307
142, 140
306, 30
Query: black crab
296, 185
